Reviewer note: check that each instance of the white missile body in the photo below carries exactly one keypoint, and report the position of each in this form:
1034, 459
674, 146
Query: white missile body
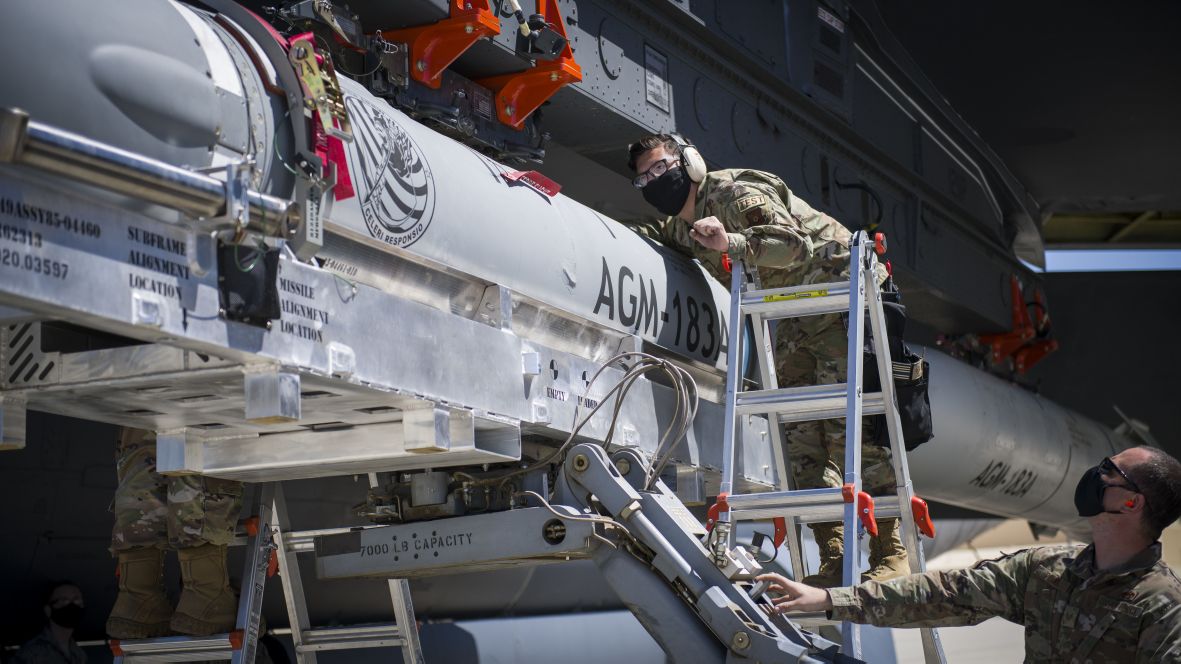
437, 222
997, 448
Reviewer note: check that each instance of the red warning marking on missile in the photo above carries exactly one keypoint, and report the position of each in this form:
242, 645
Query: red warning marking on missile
535, 181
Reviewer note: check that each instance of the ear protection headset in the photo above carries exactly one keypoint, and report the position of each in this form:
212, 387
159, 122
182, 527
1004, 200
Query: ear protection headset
691, 159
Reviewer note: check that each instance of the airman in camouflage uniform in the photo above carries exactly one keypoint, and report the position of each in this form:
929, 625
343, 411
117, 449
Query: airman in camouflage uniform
195, 516
167, 512
1071, 613
1111, 601
791, 244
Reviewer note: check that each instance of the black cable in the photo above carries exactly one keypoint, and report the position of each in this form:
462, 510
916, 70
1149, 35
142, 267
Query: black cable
773, 556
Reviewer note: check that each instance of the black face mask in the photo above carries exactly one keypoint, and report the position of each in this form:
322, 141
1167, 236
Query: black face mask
67, 616
1088, 495
668, 192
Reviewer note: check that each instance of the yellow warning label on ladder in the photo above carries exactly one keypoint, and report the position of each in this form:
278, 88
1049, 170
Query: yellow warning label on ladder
803, 295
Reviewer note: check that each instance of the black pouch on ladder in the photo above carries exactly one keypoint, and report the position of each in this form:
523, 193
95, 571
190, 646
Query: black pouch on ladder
910, 373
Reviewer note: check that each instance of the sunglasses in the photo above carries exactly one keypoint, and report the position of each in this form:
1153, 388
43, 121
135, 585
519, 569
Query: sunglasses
1107, 466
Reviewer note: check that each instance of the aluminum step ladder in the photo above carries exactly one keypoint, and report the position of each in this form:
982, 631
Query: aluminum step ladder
791, 507
273, 548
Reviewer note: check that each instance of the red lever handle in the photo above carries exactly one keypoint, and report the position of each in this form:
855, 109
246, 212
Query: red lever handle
865, 513
715, 510
879, 243
780, 531
922, 517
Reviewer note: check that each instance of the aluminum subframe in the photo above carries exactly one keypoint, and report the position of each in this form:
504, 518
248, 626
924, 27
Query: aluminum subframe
351, 378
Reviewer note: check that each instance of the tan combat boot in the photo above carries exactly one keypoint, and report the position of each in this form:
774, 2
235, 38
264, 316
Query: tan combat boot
830, 538
887, 556
207, 604
141, 609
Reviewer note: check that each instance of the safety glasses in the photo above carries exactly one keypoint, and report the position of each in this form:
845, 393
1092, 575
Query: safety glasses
654, 171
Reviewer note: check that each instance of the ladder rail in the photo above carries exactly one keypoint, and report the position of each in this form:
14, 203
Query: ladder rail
733, 384
254, 579
904, 489
851, 567
293, 592
404, 617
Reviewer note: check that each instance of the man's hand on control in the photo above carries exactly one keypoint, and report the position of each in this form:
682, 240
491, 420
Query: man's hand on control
796, 596
710, 233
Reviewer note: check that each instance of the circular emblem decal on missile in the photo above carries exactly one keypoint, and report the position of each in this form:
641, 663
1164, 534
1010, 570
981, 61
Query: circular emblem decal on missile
395, 186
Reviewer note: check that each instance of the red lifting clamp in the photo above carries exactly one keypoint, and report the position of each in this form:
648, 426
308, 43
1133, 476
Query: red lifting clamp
434, 47
715, 510
879, 243
519, 94
922, 517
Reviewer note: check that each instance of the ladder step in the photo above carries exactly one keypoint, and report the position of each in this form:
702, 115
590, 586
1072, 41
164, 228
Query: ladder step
358, 636
797, 301
806, 505
803, 404
784, 500
178, 648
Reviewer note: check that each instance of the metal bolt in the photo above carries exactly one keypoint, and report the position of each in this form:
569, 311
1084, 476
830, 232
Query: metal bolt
581, 463
420, 65
740, 641
468, 29
510, 111
300, 52
553, 76
623, 466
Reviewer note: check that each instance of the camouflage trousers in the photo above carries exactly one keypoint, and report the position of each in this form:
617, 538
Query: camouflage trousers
167, 512
815, 355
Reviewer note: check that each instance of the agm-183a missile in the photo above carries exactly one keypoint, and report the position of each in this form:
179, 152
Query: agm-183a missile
438, 222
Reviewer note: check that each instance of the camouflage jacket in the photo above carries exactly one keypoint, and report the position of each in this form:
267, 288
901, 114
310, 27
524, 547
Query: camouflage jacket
790, 242
44, 649
1071, 613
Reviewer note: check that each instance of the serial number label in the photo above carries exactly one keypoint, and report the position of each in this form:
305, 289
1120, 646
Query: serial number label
50, 219
29, 263
22, 236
